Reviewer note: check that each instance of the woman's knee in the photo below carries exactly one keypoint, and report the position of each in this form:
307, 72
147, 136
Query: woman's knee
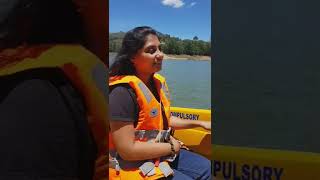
205, 168
195, 165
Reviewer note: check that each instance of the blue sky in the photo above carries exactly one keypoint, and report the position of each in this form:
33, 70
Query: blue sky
180, 18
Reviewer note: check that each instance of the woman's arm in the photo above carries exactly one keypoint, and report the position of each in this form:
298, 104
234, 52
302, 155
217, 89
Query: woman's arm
177, 123
128, 149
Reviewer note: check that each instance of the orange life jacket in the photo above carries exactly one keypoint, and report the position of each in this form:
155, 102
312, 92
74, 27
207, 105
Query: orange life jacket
81, 67
149, 126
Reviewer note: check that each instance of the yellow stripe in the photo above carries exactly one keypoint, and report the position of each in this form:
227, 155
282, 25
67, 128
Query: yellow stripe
204, 114
201, 114
56, 56
250, 162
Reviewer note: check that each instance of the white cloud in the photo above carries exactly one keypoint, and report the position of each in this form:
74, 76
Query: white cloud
192, 4
173, 3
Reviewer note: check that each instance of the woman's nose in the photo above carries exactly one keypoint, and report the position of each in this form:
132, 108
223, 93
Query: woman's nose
159, 55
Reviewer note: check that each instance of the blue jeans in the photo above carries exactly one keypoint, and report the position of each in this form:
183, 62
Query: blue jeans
189, 165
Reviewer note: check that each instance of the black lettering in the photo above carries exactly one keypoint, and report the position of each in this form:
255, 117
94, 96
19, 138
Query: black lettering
226, 173
278, 174
267, 173
235, 177
256, 170
182, 116
245, 172
193, 117
216, 167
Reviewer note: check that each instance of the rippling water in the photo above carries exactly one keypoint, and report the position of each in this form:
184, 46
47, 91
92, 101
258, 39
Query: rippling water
189, 82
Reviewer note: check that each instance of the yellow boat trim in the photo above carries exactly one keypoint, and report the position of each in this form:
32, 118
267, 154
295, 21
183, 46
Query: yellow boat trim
252, 163
201, 138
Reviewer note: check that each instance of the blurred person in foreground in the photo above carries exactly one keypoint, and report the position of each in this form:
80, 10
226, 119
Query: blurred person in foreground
53, 104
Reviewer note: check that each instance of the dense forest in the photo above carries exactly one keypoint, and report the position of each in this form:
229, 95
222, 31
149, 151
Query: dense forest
171, 45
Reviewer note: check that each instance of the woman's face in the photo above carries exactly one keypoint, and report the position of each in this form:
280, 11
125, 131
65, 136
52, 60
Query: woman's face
148, 59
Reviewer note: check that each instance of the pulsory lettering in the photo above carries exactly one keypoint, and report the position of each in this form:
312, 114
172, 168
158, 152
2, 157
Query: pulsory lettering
233, 171
185, 115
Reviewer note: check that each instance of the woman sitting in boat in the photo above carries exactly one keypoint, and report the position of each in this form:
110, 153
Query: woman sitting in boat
140, 143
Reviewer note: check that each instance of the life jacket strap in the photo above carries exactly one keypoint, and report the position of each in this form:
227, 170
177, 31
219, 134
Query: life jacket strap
156, 135
147, 168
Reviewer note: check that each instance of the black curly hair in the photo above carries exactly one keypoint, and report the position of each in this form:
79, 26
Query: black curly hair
132, 42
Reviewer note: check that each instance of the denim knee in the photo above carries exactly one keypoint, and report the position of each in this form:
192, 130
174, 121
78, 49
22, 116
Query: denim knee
205, 169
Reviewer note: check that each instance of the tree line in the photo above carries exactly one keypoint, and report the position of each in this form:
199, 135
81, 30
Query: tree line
170, 45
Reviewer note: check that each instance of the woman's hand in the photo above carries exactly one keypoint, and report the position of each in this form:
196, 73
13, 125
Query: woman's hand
178, 123
183, 146
206, 125
176, 144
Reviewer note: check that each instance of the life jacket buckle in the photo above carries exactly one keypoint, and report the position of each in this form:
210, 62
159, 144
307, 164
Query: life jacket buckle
165, 169
113, 163
167, 135
146, 168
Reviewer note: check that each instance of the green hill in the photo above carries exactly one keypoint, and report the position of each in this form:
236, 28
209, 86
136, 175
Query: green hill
171, 45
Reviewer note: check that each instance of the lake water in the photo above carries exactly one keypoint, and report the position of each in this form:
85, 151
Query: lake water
189, 82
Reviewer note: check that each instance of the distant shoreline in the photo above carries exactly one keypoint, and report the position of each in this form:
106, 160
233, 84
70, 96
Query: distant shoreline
178, 57
186, 57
